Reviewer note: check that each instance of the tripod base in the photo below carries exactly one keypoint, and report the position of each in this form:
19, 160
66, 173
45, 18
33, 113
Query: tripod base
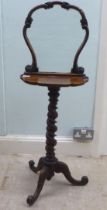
49, 165
47, 170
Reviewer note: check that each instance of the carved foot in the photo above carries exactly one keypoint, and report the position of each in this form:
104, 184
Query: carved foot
42, 177
61, 167
39, 166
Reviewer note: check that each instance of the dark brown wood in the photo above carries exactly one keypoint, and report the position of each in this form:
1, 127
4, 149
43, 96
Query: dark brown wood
48, 165
51, 127
42, 177
48, 5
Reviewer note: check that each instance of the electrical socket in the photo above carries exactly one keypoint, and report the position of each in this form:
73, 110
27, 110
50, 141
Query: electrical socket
82, 134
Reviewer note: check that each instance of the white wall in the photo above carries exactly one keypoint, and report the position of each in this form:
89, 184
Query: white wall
2, 91
101, 88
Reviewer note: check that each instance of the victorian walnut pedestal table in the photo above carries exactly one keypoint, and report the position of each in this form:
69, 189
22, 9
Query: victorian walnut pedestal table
49, 165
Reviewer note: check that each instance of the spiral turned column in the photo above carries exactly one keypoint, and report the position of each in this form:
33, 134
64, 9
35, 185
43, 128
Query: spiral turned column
49, 165
51, 127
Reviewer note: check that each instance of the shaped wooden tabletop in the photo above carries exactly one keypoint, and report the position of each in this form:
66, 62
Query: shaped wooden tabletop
54, 79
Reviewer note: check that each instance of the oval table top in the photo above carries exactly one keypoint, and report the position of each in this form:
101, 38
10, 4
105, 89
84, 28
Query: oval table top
54, 79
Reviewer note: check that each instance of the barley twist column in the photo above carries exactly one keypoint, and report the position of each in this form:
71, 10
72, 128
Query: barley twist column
51, 120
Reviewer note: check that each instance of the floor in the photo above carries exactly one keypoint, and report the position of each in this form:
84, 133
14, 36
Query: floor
17, 182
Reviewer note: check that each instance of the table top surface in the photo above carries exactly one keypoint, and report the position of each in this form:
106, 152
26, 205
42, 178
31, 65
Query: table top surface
54, 79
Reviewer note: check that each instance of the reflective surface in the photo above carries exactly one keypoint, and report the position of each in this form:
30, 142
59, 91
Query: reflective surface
54, 79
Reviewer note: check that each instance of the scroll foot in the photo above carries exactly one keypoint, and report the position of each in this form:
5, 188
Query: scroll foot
39, 166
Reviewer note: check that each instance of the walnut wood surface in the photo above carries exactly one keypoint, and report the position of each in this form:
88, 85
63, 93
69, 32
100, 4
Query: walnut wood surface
49, 165
54, 79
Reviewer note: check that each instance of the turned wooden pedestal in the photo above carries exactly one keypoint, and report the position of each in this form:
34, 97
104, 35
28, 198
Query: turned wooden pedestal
49, 164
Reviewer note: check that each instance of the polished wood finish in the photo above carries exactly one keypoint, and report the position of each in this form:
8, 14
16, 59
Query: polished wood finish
54, 79
48, 5
49, 165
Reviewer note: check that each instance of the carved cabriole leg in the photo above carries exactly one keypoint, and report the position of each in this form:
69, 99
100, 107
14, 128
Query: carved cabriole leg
42, 177
61, 167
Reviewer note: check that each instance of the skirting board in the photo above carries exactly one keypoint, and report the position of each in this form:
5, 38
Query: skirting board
36, 145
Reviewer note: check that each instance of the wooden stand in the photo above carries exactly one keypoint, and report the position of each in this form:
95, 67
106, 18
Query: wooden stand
48, 165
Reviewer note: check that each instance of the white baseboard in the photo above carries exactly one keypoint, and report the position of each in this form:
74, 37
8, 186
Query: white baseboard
36, 145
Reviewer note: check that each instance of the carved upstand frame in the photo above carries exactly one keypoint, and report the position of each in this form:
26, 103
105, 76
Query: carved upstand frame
48, 165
